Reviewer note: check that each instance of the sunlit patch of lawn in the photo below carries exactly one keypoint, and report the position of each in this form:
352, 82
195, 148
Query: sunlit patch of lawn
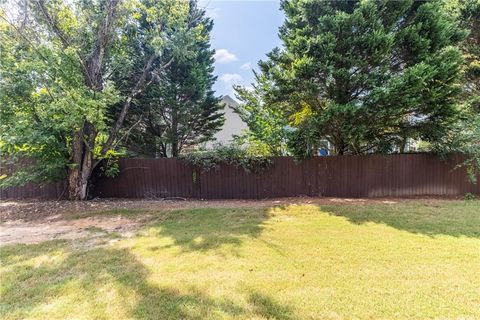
407, 260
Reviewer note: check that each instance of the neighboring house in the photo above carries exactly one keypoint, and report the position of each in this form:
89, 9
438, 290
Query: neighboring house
233, 124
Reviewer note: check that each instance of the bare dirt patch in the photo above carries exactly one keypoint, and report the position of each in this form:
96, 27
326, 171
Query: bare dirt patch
18, 231
38, 221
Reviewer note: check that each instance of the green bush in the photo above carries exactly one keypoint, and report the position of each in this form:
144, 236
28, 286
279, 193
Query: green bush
469, 196
228, 154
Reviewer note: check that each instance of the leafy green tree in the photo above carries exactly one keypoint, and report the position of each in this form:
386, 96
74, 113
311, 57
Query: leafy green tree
69, 73
267, 125
181, 110
367, 75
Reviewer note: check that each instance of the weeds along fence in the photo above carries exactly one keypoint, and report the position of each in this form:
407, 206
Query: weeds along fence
404, 175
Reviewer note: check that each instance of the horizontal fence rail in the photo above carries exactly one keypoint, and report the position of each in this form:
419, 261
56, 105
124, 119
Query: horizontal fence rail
403, 175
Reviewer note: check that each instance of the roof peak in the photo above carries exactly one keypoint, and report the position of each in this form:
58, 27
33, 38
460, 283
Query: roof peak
229, 100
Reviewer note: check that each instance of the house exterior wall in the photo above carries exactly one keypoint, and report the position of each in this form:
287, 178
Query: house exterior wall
233, 124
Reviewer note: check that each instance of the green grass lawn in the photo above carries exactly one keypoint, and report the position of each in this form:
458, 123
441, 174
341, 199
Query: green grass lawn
406, 260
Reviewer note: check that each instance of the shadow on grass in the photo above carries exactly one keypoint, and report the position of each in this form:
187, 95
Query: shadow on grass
80, 280
206, 229
198, 229
266, 306
456, 219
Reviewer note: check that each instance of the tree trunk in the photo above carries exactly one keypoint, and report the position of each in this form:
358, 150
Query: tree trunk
84, 139
339, 147
75, 165
82, 162
78, 179
402, 146
174, 142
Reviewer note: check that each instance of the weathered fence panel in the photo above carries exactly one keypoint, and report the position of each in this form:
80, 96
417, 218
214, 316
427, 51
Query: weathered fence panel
30, 190
404, 175
50, 191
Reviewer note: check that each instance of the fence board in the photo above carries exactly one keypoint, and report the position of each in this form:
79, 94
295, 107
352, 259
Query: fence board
404, 175
30, 190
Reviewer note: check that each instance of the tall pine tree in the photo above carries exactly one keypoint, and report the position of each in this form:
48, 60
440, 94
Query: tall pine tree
181, 110
366, 75
464, 136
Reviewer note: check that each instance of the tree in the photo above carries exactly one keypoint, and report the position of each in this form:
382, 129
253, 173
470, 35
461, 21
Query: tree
267, 126
180, 110
367, 75
470, 16
464, 136
65, 65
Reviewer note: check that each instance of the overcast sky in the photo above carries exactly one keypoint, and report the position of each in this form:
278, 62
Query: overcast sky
244, 31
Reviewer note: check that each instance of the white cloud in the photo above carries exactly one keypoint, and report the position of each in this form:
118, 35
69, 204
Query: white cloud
231, 78
246, 66
224, 56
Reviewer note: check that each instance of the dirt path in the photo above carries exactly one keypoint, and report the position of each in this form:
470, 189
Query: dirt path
38, 221
17, 231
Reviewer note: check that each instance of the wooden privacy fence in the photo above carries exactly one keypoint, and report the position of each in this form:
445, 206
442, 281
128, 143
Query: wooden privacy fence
404, 175
30, 190
50, 191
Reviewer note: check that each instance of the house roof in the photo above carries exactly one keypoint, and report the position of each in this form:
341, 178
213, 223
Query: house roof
229, 101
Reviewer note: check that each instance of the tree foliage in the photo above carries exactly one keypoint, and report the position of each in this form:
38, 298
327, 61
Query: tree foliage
180, 110
464, 136
469, 12
69, 73
366, 75
267, 125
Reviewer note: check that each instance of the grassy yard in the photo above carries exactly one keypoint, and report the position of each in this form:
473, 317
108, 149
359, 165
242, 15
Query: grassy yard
405, 260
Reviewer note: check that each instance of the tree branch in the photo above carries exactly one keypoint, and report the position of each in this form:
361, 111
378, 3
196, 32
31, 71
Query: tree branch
53, 23
94, 61
139, 86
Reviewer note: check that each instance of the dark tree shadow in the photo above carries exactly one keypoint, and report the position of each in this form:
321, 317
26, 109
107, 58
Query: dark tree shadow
451, 218
26, 287
265, 305
206, 229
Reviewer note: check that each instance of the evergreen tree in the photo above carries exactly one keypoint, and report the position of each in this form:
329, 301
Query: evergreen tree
367, 75
464, 136
181, 110
470, 16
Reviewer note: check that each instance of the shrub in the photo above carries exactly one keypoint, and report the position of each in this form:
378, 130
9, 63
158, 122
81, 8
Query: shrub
229, 154
469, 196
